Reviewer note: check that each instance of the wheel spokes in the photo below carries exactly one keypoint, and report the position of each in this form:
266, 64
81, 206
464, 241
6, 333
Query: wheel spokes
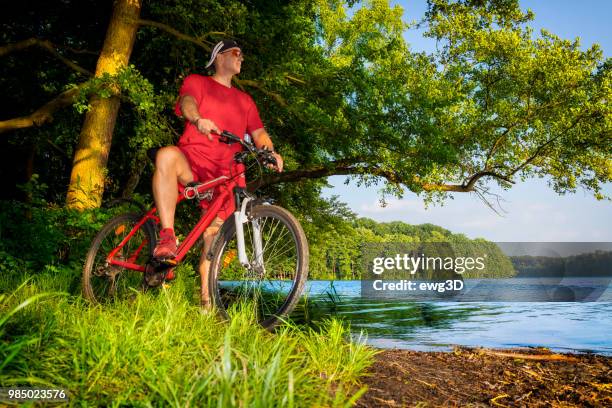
108, 282
266, 287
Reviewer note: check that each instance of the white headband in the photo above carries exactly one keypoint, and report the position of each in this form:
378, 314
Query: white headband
221, 46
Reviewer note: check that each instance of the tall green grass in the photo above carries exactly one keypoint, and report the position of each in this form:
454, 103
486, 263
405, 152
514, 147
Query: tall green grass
160, 349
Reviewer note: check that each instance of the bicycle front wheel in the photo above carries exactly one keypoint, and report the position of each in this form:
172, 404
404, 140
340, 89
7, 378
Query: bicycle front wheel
273, 280
103, 282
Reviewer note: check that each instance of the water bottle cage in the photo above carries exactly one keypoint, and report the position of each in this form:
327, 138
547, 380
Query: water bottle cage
192, 192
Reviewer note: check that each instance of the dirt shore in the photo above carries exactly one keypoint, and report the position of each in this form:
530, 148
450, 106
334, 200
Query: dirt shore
484, 377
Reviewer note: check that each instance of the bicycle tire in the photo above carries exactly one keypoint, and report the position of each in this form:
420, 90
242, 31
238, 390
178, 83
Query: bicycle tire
274, 298
101, 281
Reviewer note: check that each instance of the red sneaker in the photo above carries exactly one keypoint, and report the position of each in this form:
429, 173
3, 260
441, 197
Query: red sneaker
170, 275
166, 245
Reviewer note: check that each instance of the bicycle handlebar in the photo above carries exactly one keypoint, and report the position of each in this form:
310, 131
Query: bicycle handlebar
264, 155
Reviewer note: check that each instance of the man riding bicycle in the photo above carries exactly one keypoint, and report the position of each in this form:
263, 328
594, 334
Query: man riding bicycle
209, 104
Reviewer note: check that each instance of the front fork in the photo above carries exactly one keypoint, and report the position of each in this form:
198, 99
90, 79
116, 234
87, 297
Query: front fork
240, 218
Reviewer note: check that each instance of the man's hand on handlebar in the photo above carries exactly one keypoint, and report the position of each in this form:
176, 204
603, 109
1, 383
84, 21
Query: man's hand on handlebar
205, 126
279, 163
266, 156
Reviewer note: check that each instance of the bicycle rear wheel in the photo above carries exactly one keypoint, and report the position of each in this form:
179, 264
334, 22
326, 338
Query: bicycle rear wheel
271, 284
103, 282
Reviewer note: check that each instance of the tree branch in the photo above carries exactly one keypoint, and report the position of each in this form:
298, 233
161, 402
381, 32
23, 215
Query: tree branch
43, 114
494, 147
79, 51
473, 179
450, 188
59, 150
254, 84
206, 45
528, 117
355, 166
18, 46
544, 145
295, 80
482, 193
340, 167
46, 45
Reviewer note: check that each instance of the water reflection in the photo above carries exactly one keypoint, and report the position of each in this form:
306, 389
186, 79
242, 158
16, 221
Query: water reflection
435, 325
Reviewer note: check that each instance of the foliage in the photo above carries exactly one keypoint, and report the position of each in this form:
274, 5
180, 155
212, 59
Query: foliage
591, 264
38, 236
340, 91
340, 243
152, 128
161, 350
517, 105
346, 95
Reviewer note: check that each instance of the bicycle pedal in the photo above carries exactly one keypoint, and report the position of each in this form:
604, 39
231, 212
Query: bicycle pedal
168, 262
159, 271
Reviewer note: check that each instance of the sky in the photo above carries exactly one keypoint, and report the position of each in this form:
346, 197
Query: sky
533, 212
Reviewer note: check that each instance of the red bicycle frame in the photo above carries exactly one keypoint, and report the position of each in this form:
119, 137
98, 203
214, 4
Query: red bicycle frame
226, 187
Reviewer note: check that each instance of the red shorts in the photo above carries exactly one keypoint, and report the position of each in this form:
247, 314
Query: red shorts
204, 169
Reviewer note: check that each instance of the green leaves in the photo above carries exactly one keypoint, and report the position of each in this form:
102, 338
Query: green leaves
521, 105
150, 128
337, 86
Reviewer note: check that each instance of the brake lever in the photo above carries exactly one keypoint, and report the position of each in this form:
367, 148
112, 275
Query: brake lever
268, 157
226, 137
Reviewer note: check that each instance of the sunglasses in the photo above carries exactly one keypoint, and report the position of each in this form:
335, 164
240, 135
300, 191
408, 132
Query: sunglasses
236, 53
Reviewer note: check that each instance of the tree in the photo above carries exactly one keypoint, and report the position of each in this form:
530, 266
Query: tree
492, 103
343, 94
89, 168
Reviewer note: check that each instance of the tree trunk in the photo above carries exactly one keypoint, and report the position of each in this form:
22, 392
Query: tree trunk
89, 167
132, 181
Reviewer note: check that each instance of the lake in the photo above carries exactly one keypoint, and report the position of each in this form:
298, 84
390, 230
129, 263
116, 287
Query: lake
439, 325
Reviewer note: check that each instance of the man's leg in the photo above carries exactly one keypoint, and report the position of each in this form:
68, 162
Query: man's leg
171, 166
209, 236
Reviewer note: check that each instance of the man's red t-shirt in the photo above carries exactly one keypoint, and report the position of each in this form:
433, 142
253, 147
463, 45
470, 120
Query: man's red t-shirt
230, 109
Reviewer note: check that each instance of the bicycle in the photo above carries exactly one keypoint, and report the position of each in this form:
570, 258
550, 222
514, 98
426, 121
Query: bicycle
260, 254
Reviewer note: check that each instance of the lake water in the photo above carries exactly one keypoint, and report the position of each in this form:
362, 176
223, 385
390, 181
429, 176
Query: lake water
438, 325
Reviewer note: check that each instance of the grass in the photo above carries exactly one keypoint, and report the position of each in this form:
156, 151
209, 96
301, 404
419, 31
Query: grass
160, 349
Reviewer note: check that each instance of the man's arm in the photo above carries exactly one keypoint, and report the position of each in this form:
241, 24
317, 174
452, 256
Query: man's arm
262, 139
189, 107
